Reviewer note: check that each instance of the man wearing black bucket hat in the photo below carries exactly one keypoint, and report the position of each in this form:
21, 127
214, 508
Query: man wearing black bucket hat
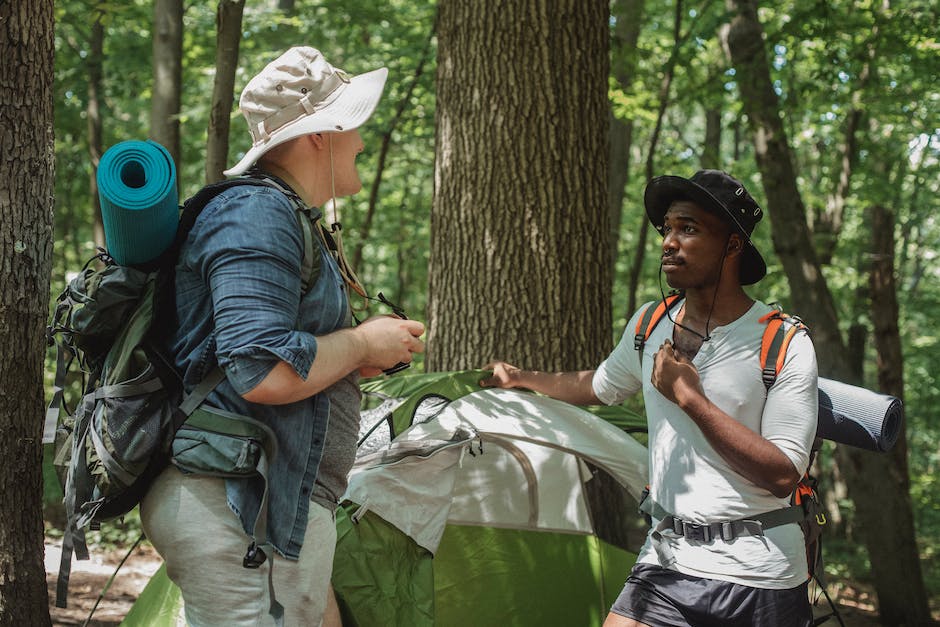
723, 449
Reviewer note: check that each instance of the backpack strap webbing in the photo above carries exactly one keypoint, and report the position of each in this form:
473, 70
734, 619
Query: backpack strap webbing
651, 317
306, 219
774, 343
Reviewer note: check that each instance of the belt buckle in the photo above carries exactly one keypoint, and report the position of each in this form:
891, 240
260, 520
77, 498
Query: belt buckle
699, 533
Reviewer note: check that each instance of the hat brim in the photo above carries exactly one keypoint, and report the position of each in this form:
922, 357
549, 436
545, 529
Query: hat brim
662, 191
350, 109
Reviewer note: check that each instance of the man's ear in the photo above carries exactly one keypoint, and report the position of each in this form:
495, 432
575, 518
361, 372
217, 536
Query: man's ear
317, 139
735, 244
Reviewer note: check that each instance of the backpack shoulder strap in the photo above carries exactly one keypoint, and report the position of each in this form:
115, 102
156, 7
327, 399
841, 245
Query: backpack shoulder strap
776, 339
651, 317
310, 263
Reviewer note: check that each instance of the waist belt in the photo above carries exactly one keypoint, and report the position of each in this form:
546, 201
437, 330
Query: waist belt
675, 527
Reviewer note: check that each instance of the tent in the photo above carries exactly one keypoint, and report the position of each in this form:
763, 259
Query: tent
470, 506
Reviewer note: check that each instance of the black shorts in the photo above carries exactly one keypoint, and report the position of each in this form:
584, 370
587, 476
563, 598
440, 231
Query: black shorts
659, 597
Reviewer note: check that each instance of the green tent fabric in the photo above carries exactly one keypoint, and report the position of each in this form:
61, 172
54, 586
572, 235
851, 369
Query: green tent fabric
475, 510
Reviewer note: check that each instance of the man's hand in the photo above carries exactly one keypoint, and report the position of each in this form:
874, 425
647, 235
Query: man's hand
387, 341
504, 375
674, 375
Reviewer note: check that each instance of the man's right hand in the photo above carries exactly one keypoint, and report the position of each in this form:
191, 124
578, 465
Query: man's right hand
387, 341
504, 375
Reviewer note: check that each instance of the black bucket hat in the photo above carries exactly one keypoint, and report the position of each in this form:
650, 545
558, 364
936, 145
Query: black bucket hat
720, 193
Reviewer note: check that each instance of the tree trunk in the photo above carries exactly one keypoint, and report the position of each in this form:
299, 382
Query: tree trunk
93, 111
790, 232
711, 150
877, 484
892, 547
228, 25
27, 169
639, 253
167, 76
520, 186
628, 16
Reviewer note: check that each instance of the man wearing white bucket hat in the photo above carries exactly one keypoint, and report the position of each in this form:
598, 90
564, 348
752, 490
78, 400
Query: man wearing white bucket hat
290, 356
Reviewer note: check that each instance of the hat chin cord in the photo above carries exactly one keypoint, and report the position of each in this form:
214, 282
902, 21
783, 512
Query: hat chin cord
336, 229
707, 336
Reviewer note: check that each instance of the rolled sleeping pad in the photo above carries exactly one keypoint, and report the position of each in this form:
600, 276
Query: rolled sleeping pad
858, 417
139, 201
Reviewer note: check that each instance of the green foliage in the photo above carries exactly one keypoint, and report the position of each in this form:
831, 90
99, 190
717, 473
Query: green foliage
819, 54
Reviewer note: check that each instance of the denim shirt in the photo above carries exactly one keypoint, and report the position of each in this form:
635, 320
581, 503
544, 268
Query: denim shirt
240, 304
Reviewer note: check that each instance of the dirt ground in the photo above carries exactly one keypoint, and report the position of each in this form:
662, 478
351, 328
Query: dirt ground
89, 578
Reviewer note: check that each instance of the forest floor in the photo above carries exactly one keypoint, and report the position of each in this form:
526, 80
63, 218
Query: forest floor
89, 578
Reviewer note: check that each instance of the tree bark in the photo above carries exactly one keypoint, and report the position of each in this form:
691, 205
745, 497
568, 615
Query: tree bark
877, 484
27, 167
711, 150
628, 16
167, 76
520, 186
228, 24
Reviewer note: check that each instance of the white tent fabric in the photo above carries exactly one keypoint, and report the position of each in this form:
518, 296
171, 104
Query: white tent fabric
469, 463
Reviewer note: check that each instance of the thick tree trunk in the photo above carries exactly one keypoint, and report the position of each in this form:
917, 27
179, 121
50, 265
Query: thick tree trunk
167, 76
27, 167
228, 25
877, 484
93, 111
628, 16
902, 597
520, 186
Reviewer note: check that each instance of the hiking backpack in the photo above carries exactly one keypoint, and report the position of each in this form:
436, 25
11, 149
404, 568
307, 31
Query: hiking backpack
118, 437
805, 505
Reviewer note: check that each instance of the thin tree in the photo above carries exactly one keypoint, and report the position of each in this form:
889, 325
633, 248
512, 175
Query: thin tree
228, 24
26, 176
519, 267
94, 62
885, 523
167, 76
627, 16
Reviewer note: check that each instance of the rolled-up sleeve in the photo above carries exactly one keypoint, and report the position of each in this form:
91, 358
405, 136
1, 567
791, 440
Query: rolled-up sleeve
249, 251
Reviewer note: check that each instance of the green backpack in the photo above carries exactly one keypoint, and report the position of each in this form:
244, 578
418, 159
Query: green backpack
120, 435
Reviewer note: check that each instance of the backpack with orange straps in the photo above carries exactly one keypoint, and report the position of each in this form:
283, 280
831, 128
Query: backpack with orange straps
780, 330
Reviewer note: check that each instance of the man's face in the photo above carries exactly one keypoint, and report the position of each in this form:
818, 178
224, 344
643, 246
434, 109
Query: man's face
694, 241
346, 145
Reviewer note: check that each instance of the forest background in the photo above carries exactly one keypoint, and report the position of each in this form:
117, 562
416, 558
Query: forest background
842, 149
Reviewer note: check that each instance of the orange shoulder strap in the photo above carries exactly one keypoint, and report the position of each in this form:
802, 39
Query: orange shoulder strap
773, 346
650, 318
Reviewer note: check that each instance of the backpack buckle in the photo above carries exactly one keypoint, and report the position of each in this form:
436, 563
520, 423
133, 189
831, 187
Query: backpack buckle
254, 556
769, 375
692, 531
638, 341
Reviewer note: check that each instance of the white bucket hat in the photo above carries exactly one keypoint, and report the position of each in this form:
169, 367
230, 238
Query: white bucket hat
299, 93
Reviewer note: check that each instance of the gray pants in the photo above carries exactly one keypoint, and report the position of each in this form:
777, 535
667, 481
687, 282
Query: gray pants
189, 522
